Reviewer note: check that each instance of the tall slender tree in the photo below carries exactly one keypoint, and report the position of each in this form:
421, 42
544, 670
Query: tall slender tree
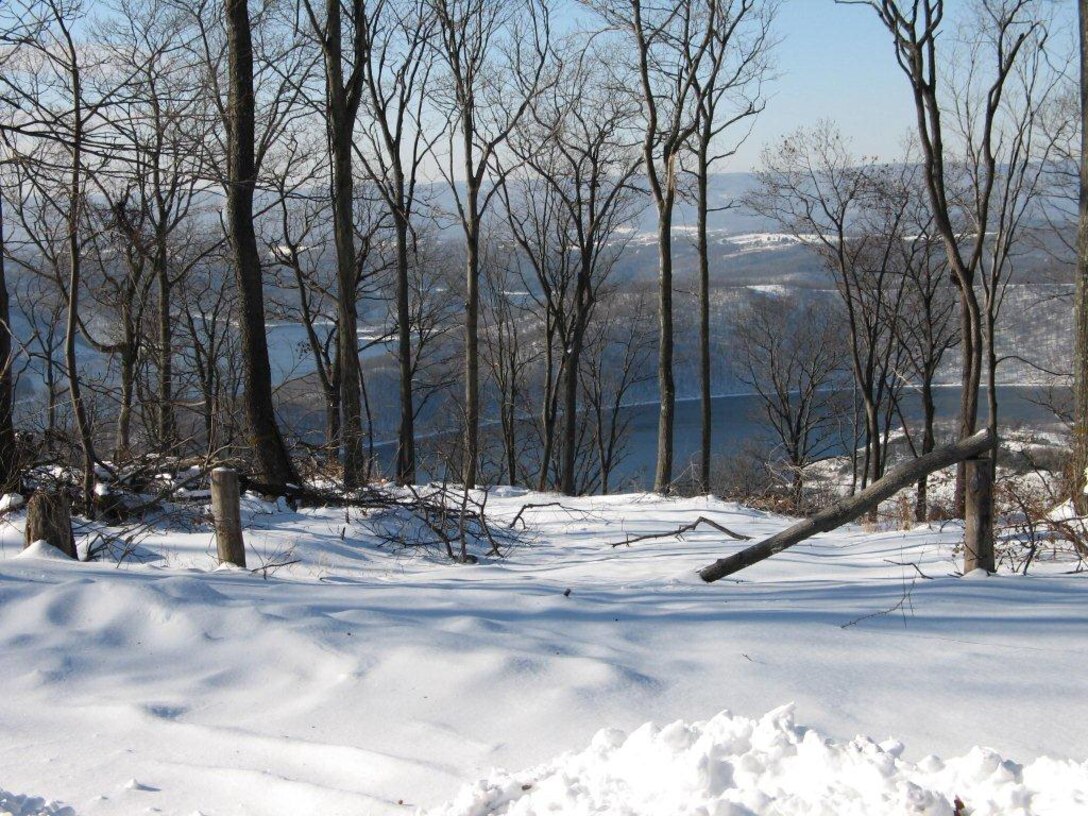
399, 60
670, 43
1006, 29
272, 462
729, 94
494, 53
345, 57
1080, 342
567, 213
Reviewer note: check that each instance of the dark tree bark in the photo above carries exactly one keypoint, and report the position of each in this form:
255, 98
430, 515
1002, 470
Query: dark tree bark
670, 44
272, 464
49, 519
1080, 342
8, 463
75, 269
342, 98
399, 57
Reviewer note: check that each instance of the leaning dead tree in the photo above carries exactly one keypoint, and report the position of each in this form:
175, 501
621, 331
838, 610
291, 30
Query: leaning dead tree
850, 508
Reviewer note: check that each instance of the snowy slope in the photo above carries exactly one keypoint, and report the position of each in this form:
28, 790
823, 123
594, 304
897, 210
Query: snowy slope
363, 681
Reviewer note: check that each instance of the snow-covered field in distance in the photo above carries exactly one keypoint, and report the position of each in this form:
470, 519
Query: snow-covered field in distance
364, 681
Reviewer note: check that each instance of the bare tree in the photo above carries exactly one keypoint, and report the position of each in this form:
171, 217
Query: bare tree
341, 32
61, 117
851, 211
566, 215
296, 232
494, 53
729, 94
399, 60
1008, 28
619, 353
273, 464
670, 43
154, 193
927, 328
507, 351
207, 302
1080, 342
790, 354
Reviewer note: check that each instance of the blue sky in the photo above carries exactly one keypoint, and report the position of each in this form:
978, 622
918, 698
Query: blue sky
836, 62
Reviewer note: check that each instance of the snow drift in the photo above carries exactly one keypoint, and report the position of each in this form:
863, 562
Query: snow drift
734, 766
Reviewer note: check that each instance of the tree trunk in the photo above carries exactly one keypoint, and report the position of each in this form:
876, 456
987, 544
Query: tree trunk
75, 258
1080, 343
548, 412
49, 519
471, 452
570, 382
704, 315
970, 383
666, 384
167, 423
929, 410
332, 422
351, 425
8, 464
340, 122
128, 385
272, 464
850, 508
978, 534
406, 436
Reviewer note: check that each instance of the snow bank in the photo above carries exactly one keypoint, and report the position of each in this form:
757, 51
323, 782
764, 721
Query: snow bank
42, 549
734, 766
12, 805
10, 501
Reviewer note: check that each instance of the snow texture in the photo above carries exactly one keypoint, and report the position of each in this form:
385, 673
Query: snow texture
12, 805
369, 679
44, 550
734, 766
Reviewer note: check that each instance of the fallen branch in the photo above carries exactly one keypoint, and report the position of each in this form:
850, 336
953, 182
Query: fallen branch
264, 569
684, 528
909, 564
525, 507
847, 509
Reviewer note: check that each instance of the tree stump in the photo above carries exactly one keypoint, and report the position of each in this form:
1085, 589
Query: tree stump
227, 512
49, 519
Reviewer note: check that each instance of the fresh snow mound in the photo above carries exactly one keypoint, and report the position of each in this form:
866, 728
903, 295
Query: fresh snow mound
42, 549
12, 805
10, 501
734, 766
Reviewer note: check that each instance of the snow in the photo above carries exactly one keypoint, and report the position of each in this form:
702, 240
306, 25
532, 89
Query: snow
735, 766
12, 805
10, 501
43, 550
370, 680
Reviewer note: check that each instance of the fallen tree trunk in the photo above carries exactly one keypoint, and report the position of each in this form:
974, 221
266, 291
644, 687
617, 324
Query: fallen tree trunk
848, 509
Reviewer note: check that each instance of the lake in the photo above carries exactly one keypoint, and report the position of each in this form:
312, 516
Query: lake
737, 421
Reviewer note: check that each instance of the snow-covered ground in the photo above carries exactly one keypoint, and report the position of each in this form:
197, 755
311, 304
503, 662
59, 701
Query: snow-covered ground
365, 681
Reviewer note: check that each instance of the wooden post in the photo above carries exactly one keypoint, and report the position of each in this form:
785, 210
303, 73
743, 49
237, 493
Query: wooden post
227, 512
978, 530
49, 519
